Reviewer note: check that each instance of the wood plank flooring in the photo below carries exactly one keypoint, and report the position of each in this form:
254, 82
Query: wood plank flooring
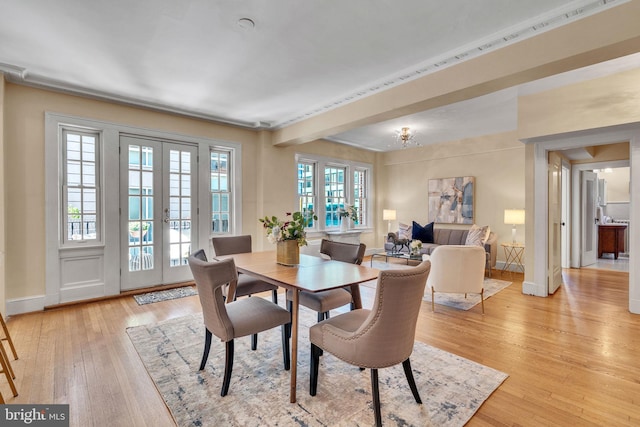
572, 359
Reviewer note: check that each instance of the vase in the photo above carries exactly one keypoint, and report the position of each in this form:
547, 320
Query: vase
344, 224
288, 252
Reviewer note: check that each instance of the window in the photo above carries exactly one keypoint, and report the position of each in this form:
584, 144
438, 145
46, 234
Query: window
81, 186
334, 194
328, 185
221, 191
307, 188
360, 194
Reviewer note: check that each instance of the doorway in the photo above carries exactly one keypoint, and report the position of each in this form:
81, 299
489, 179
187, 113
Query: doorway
158, 202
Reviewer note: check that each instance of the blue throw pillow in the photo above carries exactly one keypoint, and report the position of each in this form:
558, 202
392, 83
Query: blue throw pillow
424, 234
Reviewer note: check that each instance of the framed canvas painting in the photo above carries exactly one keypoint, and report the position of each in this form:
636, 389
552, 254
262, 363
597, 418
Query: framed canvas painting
451, 200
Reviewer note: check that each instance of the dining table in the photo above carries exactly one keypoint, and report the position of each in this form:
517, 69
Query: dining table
311, 274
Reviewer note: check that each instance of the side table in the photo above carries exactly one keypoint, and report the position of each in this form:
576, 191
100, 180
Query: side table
513, 253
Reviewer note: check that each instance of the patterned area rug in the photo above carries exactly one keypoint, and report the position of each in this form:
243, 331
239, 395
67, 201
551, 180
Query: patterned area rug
491, 287
452, 388
149, 297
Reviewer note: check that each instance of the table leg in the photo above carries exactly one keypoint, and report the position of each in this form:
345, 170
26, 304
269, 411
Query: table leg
294, 345
355, 296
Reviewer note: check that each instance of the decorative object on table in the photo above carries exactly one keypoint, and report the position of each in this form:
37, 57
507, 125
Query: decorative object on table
345, 213
451, 200
406, 137
166, 295
171, 351
415, 246
283, 233
514, 217
389, 215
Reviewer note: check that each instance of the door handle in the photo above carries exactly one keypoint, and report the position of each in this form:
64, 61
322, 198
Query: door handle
166, 215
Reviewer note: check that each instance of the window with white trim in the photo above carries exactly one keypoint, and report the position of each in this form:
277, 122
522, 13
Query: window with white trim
221, 191
80, 186
328, 185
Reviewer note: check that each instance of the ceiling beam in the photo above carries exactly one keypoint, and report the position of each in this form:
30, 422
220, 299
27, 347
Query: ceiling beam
607, 35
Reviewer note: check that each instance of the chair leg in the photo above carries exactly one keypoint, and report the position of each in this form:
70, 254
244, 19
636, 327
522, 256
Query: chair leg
228, 367
254, 342
6, 358
207, 346
320, 317
376, 397
433, 299
313, 369
7, 337
482, 300
290, 310
274, 296
406, 365
5, 369
285, 347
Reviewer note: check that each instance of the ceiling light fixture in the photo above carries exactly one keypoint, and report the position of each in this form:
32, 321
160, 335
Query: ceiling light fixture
405, 137
246, 23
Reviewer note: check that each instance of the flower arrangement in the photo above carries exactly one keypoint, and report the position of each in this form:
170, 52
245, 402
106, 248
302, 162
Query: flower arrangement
349, 211
293, 229
415, 247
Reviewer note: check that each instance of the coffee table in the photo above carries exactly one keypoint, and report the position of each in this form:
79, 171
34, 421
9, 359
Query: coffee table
399, 255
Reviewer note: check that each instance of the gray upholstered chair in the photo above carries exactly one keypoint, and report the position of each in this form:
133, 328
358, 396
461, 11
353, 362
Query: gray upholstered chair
323, 302
247, 285
236, 319
457, 269
376, 338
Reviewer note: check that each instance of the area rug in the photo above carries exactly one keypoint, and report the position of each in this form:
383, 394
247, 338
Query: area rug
157, 296
452, 388
491, 287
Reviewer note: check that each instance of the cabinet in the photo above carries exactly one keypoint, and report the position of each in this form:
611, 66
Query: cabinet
611, 239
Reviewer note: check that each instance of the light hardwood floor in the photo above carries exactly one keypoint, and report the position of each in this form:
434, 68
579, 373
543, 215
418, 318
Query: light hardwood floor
572, 358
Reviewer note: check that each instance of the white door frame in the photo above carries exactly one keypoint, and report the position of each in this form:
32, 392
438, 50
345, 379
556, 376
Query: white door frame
535, 282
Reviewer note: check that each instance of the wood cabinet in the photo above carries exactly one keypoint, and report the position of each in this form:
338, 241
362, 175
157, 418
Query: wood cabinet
611, 239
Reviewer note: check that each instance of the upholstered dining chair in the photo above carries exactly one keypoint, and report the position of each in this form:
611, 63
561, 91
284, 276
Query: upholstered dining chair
235, 319
376, 338
323, 302
247, 285
457, 269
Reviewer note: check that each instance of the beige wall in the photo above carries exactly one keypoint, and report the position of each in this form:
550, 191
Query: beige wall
268, 176
496, 161
617, 184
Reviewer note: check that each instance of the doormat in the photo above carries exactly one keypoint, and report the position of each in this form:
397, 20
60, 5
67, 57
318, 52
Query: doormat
157, 296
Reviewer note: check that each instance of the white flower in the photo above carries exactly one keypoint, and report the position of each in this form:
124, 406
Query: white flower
416, 244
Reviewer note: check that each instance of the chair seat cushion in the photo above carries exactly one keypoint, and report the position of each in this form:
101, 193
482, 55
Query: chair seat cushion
252, 315
248, 285
323, 301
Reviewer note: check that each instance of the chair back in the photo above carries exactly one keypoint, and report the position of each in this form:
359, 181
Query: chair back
387, 336
345, 252
230, 245
457, 268
209, 278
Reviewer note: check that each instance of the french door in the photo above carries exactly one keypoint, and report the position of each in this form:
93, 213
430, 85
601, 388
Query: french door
158, 202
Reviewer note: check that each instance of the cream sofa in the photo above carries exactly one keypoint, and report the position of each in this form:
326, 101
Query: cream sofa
445, 236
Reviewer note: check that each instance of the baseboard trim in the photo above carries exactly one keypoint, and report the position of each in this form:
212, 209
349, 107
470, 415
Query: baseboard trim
25, 305
535, 289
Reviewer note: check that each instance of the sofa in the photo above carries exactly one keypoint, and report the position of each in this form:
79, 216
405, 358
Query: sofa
445, 236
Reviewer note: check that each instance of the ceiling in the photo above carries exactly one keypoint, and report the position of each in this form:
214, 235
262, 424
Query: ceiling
268, 64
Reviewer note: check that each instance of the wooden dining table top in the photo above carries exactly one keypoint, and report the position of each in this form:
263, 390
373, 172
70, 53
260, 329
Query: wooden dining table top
312, 274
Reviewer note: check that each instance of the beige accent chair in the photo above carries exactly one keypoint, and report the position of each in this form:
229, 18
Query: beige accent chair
247, 285
323, 302
457, 269
235, 319
377, 338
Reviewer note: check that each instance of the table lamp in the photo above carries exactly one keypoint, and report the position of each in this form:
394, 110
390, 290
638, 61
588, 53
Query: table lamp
389, 215
514, 217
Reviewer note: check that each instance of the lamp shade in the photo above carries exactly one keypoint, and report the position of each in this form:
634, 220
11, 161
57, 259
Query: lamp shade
389, 214
514, 216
